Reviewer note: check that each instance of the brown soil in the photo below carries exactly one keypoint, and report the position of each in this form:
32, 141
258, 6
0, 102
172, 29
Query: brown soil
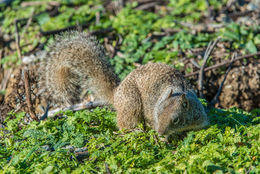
15, 98
241, 88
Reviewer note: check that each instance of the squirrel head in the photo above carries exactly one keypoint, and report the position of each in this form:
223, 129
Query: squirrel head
178, 111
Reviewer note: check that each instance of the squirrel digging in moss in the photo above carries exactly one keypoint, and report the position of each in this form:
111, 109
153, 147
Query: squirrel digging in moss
155, 93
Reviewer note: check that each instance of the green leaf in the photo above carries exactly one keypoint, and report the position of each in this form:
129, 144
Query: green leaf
250, 47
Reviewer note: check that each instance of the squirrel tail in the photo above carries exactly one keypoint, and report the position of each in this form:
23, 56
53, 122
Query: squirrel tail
77, 62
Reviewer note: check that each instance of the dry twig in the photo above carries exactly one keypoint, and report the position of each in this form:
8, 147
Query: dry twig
28, 94
29, 21
76, 107
147, 6
216, 97
205, 58
195, 63
224, 63
7, 75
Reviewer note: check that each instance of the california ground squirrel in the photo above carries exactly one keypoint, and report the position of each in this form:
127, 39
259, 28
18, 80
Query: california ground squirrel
154, 93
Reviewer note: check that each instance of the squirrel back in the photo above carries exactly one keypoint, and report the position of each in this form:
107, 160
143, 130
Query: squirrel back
74, 63
155, 94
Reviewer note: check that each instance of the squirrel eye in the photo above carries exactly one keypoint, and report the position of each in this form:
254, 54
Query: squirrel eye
176, 120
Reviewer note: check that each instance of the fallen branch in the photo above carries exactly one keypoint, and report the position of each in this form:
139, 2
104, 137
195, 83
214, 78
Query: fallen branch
80, 153
215, 99
224, 63
76, 107
239, 14
208, 52
28, 94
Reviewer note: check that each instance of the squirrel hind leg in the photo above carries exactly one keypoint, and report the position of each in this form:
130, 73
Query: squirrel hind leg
128, 103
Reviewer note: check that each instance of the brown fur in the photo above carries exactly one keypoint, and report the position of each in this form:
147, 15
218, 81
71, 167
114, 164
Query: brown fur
154, 93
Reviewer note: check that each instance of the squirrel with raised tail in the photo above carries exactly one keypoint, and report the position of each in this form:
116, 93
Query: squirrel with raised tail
154, 94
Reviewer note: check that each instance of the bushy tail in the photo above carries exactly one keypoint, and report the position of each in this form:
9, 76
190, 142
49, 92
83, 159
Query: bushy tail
77, 62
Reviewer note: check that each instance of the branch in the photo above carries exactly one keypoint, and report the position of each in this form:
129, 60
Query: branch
76, 107
5, 79
215, 99
29, 21
224, 63
28, 95
205, 58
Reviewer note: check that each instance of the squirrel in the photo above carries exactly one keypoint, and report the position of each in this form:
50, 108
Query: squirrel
154, 94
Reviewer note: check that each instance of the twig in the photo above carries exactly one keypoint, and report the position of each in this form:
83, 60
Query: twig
1, 66
239, 14
147, 6
17, 39
224, 63
29, 21
81, 155
4, 82
205, 58
195, 63
215, 99
28, 95
107, 169
76, 107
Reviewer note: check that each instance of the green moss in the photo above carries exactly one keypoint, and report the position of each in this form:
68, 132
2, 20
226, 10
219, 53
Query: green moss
229, 144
